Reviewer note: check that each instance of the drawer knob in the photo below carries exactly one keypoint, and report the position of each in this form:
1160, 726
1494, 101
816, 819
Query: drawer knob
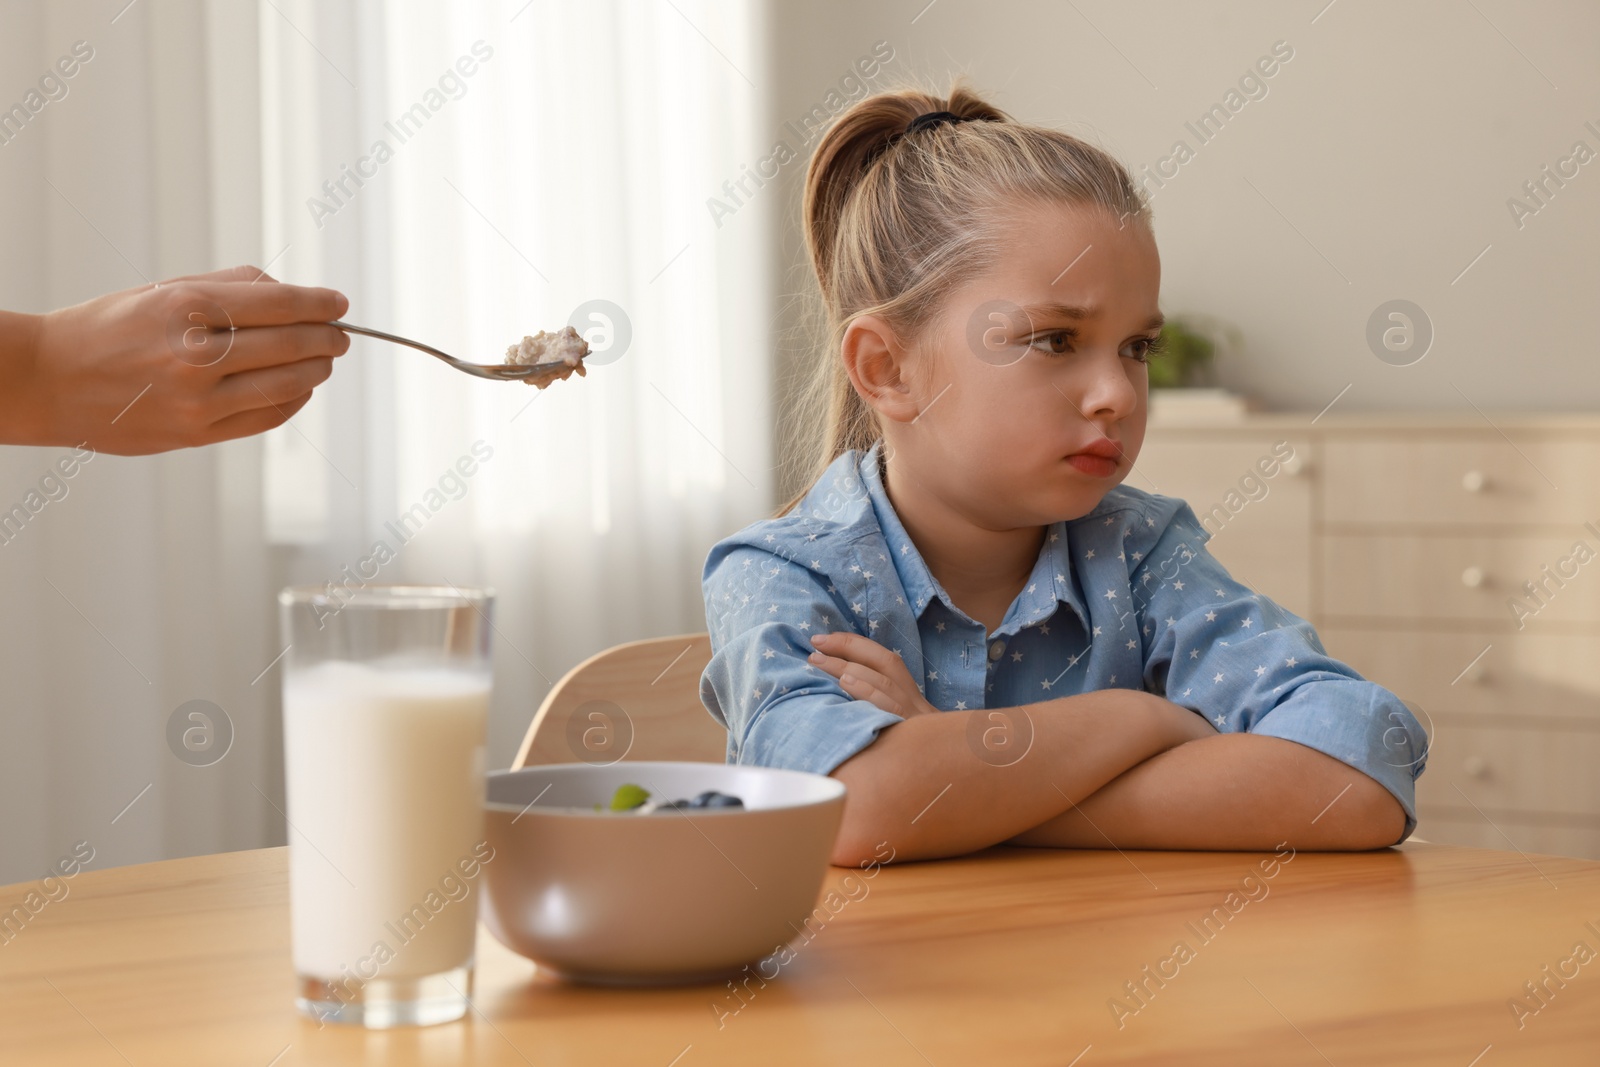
1294, 466
1475, 767
1476, 674
1474, 481
1473, 577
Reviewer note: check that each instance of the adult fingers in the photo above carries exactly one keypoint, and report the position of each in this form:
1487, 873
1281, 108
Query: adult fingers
267, 304
230, 352
227, 274
269, 387
862, 650
249, 423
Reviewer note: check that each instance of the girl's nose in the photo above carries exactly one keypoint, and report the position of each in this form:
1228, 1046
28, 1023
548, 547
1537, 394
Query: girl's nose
1109, 391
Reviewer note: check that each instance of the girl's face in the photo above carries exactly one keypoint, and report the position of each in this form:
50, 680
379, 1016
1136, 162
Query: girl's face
1032, 362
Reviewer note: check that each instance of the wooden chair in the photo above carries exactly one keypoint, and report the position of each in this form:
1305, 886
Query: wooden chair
636, 701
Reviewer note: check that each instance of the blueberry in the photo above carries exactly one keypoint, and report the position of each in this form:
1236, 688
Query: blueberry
709, 799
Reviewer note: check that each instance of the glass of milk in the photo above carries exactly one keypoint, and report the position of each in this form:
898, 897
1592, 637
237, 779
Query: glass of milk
385, 708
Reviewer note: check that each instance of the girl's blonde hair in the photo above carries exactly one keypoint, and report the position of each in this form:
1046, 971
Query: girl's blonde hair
895, 221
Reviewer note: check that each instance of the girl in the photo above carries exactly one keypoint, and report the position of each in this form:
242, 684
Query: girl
966, 618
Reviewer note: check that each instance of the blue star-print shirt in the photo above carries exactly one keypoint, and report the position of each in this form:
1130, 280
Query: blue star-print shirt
1126, 596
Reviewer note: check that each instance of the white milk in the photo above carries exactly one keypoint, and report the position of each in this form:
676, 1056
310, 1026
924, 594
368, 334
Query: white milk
385, 771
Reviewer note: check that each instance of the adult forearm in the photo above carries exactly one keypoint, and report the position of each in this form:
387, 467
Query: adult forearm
19, 347
1231, 791
930, 787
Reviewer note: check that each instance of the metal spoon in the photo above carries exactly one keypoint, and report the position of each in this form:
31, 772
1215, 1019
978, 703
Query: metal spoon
504, 372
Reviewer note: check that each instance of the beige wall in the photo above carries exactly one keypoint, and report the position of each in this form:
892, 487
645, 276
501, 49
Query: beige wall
1377, 166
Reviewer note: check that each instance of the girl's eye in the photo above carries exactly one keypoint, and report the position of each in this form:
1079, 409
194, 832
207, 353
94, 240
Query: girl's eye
1057, 342
1153, 346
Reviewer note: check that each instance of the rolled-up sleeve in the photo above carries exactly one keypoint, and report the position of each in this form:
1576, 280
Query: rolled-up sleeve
779, 710
1248, 664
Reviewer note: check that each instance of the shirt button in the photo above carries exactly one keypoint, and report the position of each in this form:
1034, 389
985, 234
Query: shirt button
997, 649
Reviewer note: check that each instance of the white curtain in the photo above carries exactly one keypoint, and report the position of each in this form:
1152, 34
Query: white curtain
540, 158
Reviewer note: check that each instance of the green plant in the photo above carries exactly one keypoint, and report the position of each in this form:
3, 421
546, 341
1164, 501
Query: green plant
1185, 357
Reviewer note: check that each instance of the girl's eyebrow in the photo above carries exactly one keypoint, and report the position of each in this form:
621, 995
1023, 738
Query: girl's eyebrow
1079, 311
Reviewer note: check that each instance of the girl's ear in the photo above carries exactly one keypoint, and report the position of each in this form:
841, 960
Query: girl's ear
875, 361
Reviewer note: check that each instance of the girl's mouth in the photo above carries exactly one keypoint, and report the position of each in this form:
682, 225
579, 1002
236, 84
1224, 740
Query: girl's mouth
1093, 465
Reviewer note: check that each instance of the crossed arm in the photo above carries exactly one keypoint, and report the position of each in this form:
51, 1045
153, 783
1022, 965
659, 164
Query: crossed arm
1116, 768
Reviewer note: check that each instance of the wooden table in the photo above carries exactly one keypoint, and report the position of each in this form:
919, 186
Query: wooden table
1407, 956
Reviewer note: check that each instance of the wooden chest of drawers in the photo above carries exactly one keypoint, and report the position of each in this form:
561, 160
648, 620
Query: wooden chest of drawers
1454, 559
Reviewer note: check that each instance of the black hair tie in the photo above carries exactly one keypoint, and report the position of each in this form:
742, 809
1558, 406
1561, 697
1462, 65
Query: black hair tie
932, 119
921, 122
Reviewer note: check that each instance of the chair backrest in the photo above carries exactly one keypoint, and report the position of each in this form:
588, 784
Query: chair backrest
638, 701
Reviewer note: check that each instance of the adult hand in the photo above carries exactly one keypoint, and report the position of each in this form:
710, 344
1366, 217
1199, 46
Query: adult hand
185, 362
868, 671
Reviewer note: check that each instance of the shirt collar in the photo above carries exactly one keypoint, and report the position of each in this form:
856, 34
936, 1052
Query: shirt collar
1050, 581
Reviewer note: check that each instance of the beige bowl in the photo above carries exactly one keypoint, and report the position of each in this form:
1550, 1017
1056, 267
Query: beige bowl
619, 897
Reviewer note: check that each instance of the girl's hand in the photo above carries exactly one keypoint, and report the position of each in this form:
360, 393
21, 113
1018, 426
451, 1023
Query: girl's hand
868, 671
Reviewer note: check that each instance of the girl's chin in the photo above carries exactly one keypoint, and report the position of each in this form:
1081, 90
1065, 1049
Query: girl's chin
1070, 504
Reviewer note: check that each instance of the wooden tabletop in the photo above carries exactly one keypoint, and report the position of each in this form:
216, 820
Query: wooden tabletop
1410, 956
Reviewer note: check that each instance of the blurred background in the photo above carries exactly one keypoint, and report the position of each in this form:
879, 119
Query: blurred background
618, 166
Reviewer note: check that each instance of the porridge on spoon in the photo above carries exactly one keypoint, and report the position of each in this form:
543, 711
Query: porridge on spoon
564, 349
